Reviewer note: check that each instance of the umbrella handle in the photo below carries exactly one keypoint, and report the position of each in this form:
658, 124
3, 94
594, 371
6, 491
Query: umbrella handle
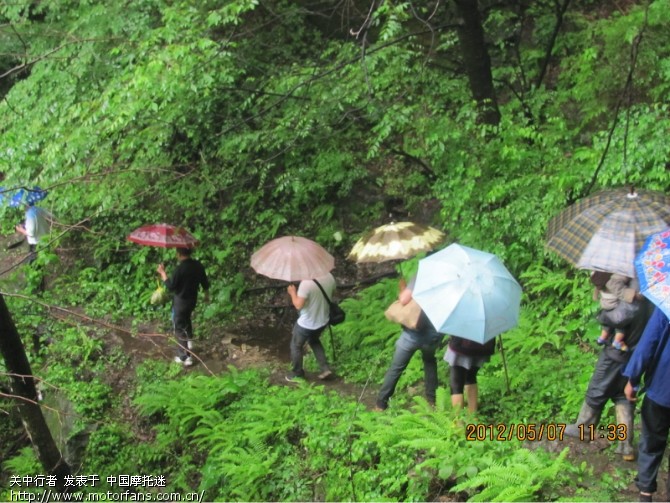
502, 354
332, 342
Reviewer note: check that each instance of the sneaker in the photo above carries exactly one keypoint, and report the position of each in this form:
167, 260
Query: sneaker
294, 378
645, 497
186, 362
377, 408
601, 341
189, 344
325, 375
621, 346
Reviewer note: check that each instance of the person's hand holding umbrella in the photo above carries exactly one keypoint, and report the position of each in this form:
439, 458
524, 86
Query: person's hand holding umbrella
161, 272
298, 302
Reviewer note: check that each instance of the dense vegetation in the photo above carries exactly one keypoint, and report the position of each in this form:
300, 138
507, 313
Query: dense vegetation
244, 120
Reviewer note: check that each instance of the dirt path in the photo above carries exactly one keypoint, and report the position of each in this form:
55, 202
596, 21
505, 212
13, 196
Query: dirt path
268, 347
264, 342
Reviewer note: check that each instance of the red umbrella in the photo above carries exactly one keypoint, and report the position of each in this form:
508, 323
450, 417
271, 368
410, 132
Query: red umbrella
163, 235
292, 258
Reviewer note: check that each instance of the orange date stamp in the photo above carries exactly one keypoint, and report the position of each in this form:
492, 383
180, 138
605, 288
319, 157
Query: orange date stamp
507, 432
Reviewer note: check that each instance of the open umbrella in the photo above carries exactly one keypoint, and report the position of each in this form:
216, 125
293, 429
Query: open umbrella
292, 258
653, 269
28, 196
395, 241
468, 293
163, 235
603, 232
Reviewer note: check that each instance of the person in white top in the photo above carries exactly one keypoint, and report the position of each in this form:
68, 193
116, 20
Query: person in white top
312, 320
35, 226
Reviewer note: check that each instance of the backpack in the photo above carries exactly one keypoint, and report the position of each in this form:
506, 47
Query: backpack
336, 314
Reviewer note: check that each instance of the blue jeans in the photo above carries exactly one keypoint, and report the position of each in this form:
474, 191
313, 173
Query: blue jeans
654, 438
405, 347
301, 336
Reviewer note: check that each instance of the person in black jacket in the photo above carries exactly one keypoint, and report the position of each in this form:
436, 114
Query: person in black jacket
185, 282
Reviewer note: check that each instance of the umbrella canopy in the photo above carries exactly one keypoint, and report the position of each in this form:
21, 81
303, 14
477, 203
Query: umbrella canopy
23, 196
164, 236
653, 270
395, 241
468, 293
292, 258
603, 232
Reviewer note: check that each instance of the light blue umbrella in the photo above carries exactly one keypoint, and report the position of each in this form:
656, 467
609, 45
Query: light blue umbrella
468, 293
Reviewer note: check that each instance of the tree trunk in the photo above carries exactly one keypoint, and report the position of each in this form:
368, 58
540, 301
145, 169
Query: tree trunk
23, 386
477, 61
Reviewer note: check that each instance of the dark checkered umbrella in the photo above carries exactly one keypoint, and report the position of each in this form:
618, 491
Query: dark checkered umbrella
605, 231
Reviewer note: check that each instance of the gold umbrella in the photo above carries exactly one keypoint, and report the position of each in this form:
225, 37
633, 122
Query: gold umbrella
395, 241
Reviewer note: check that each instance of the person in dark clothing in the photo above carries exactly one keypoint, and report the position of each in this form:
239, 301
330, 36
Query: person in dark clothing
185, 282
465, 358
607, 383
651, 359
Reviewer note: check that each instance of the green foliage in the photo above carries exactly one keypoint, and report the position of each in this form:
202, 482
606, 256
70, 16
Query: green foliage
298, 443
523, 476
243, 121
24, 462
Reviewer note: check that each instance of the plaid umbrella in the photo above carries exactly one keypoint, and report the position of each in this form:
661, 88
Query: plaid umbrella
395, 241
603, 232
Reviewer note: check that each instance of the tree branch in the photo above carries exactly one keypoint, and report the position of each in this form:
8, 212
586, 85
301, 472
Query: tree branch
560, 13
424, 167
634, 50
325, 74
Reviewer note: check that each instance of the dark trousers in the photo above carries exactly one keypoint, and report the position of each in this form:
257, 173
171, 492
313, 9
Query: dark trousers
32, 253
460, 376
301, 336
183, 328
654, 439
606, 383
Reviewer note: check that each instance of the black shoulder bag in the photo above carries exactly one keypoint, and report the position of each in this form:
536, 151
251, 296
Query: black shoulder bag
336, 314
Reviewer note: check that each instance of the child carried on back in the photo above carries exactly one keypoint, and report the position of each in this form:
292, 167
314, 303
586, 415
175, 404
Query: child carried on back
619, 305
